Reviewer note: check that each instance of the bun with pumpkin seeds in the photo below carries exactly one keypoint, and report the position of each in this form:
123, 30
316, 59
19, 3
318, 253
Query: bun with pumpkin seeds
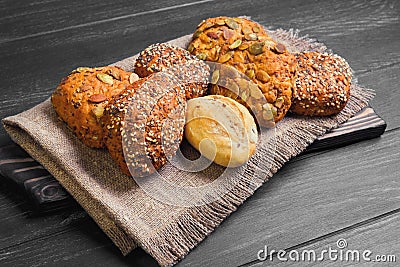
144, 124
322, 85
80, 98
246, 46
192, 72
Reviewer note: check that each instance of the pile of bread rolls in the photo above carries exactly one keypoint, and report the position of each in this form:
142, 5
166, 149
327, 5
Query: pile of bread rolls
142, 116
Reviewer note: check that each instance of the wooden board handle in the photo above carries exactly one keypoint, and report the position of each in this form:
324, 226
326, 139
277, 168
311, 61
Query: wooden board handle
47, 194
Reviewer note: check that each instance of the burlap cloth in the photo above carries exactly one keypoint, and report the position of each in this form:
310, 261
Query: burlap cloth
124, 211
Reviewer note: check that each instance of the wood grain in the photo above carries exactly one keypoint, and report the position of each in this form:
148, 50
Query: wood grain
86, 14
387, 98
46, 194
308, 198
82, 244
313, 195
36, 75
364, 125
375, 235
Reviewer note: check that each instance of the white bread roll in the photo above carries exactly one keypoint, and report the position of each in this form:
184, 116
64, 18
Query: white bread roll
222, 129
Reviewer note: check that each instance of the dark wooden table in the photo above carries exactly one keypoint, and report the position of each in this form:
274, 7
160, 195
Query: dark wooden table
351, 192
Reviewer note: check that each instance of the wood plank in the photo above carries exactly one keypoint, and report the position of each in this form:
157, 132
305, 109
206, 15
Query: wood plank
385, 82
274, 198
37, 64
83, 244
380, 236
20, 21
46, 194
364, 125
308, 198
19, 224
43, 192
363, 32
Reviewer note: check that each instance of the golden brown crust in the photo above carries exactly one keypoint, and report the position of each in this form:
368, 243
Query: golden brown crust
192, 72
221, 129
145, 125
323, 84
80, 98
246, 46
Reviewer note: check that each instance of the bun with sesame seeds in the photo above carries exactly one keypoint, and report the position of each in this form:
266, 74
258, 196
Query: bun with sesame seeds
246, 46
80, 98
192, 72
322, 84
144, 124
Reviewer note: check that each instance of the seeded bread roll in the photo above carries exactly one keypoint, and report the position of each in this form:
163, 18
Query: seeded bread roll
192, 72
145, 124
323, 84
80, 98
245, 45
221, 129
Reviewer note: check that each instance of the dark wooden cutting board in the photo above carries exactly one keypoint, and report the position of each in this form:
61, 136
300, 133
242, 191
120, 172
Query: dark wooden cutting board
46, 194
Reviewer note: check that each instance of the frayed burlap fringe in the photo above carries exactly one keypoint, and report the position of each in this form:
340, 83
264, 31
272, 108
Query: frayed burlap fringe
176, 240
172, 240
172, 243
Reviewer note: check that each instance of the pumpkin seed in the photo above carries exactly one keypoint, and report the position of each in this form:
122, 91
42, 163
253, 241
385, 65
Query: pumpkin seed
224, 58
208, 25
114, 73
269, 44
232, 24
244, 96
98, 111
105, 78
220, 22
243, 84
262, 76
190, 47
197, 33
81, 69
213, 54
280, 48
243, 46
279, 102
266, 106
215, 77
234, 88
255, 92
246, 30
256, 48
250, 73
228, 33
235, 44
251, 37
201, 56
228, 71
267, 115
274, 111
133, 78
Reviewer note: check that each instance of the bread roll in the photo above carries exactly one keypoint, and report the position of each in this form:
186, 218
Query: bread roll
244, 45
144, 124
80, 99
192, 72
322, 85
221, 129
